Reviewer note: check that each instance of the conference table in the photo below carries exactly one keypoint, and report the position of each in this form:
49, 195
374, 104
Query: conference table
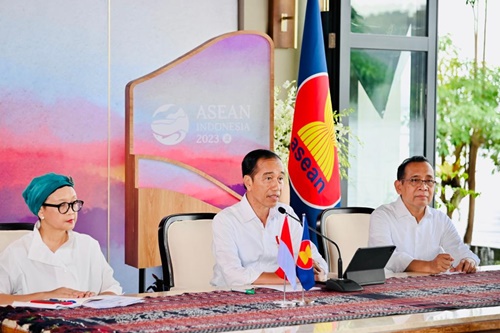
405, 303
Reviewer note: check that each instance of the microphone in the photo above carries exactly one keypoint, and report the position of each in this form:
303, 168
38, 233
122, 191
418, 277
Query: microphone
339, 284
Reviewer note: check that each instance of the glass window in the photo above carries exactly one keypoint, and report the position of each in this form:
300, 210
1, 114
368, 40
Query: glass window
389, 17
388, 95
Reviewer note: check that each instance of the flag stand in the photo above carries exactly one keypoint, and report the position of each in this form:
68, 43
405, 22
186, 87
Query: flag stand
284, 303
304, 301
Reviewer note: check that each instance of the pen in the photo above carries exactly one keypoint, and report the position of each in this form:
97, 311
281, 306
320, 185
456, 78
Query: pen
245, 291
61, 300
44, 301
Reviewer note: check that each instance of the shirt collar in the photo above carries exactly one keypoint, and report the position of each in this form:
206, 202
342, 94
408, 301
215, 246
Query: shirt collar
402, 211
248, 213
38, 249
246, 210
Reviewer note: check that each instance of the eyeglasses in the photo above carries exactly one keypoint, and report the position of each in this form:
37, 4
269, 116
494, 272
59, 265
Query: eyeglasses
418, 182
63, 207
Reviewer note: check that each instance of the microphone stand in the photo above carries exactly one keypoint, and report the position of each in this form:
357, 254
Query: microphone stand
340, 284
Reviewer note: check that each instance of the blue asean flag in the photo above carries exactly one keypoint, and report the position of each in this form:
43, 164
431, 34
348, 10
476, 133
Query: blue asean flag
313, 164
305, 272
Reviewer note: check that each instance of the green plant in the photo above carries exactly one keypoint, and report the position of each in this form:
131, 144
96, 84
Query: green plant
468, 118
284, 104
284, 107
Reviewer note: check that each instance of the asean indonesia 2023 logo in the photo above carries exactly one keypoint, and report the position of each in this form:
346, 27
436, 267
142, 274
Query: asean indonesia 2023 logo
170, 124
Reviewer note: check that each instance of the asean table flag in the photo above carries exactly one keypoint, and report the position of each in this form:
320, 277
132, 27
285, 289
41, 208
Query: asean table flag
313, 165
286, 260
305, 272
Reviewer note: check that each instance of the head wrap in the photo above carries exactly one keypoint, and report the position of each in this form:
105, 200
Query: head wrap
41, 187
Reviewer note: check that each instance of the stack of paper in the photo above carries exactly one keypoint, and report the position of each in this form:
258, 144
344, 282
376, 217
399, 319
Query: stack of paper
96, 302
111, 301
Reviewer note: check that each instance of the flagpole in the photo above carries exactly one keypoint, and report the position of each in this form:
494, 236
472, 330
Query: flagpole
305, 301
302, 302
284, 290
286, 263
284, 303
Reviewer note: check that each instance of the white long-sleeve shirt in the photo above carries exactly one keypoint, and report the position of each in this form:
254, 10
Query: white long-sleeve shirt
244, 249
393, 224
27, 266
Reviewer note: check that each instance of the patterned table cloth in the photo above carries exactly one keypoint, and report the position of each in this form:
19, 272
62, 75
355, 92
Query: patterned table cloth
219, 311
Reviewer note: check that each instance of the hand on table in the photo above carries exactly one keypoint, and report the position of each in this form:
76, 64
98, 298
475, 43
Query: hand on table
466, 265
441, 263
64, 292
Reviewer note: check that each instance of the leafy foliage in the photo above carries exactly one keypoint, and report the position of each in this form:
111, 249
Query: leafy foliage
283, 117
468, 122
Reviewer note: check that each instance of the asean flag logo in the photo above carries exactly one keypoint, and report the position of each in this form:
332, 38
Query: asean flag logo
313, 165
304, 261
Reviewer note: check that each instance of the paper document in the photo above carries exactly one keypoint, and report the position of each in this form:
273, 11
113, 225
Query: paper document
112, 302
96, 302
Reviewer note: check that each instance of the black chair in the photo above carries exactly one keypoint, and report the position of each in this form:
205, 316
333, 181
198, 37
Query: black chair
185, 242
348, 227
10, 231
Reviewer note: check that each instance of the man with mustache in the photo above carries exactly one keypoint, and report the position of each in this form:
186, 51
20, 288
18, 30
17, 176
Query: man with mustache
426, 239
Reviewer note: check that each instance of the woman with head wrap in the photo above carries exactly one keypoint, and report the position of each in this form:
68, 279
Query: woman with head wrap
54, 261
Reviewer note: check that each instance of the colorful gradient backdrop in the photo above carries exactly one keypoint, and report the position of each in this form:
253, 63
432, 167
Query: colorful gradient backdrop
64, 65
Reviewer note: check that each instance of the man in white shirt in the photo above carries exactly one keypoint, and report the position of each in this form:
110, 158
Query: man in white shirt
426, 239
246, 235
